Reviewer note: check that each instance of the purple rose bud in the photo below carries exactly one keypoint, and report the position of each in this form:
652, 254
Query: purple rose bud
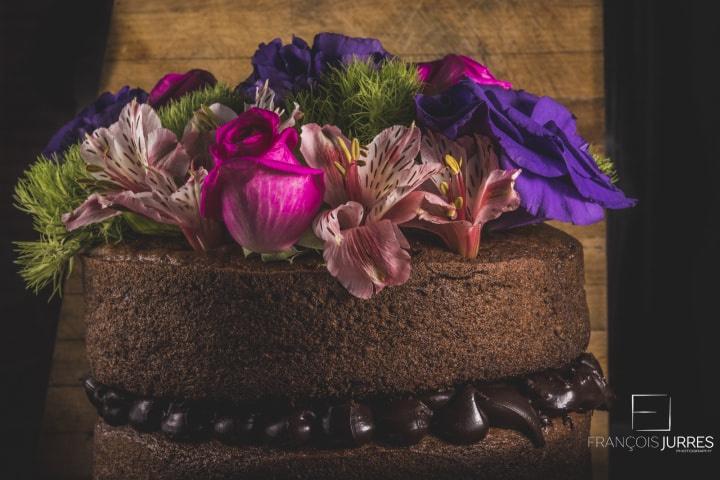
175, 85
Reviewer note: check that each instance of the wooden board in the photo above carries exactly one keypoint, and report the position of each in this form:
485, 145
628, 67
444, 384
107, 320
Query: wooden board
549, 47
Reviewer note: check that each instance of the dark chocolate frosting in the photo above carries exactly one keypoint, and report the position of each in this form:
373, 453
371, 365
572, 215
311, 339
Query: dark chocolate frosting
578, 387
145, 414
404, 421
508, 408
349, 424
461, 421
461, 415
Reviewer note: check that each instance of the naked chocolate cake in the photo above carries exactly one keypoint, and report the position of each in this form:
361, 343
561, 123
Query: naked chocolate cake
286, 280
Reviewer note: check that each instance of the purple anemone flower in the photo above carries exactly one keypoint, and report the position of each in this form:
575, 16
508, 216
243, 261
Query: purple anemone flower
103, 112
296, 66
560, 179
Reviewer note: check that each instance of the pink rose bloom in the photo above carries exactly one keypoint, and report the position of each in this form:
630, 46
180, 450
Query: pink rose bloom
266, 198
441, 74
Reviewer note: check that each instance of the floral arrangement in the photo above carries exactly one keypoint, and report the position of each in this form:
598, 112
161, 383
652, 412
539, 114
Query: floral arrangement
339, 146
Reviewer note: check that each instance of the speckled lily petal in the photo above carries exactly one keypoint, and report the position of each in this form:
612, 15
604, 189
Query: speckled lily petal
364, 258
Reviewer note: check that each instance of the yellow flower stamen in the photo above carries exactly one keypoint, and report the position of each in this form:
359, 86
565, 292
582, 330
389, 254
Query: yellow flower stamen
340, 168
444, 187
451, 213
344, 148
355, 149
453, 164
459, 202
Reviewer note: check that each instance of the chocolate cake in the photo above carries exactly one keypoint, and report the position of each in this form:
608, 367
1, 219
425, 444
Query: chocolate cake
287, 280
219, 366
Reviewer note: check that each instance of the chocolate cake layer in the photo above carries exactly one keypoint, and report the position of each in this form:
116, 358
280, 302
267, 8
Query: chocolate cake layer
165, 321
122, 453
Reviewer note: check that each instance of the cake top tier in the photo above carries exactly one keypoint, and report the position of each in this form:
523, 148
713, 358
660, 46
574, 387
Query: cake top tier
175, 323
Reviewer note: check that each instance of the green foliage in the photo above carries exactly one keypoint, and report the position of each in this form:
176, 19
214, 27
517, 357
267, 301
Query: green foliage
145, 226
176, 114
605, 164
361, 98
57, 185
49, 188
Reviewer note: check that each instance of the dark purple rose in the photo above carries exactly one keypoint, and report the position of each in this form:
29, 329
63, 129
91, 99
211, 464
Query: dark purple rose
332, 49
559, 180
296, 66
175, 85
101, 113
286, 67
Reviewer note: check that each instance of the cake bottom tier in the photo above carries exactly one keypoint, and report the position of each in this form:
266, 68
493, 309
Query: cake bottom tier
123, 453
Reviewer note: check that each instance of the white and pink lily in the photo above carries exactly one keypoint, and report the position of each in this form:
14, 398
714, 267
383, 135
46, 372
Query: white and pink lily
370, 191
469, 190
141, 167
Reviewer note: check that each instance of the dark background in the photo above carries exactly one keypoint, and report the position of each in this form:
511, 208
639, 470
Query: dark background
663, 84
51, 54
662, 76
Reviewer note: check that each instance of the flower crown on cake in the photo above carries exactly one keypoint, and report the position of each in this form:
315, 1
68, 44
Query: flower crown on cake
338, 147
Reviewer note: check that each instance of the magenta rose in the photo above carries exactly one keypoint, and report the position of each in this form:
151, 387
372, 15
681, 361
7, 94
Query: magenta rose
174, 85
441, 74
266, 198
254, 133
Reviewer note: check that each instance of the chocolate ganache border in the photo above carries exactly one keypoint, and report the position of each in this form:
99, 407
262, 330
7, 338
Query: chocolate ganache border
461, 415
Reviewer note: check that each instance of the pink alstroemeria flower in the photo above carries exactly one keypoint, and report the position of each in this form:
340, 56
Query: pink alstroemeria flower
266, 198
141, 167
468, 192
445, 72
369, 191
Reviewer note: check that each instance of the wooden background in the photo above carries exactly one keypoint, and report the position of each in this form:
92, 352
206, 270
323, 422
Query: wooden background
550, 47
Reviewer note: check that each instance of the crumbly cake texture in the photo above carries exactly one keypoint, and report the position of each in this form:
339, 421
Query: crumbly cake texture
122, 453
165, 321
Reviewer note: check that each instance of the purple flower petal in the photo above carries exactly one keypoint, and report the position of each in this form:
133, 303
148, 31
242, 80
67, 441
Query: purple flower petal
101, 113
332, 49
560, 179
294, 67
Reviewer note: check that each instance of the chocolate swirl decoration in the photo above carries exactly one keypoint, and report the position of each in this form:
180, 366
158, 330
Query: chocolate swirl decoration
460, 415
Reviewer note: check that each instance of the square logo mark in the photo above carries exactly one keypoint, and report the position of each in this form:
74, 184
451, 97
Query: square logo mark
651, 412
